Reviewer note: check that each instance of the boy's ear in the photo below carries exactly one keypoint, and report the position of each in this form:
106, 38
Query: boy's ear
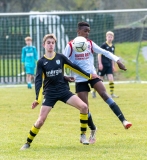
78, 31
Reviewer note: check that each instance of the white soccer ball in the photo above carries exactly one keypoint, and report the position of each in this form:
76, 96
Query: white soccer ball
79, 44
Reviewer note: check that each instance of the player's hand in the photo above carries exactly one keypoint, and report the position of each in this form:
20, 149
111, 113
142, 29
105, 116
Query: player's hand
93, 76
100, 67
121, 65
69, 79
34, 104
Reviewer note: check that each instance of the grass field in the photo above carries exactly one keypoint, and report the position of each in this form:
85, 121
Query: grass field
128, 51
58, 139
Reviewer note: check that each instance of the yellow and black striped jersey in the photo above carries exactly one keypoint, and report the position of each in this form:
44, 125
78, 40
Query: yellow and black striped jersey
50, 74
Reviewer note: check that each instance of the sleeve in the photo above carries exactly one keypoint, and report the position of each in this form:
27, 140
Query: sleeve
107, 54
75, 68
67, 51
23, 55
103, 46
39, 82
35, 54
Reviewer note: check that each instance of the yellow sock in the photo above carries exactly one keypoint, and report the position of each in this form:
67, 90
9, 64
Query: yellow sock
111, 86
84, 122
33, 132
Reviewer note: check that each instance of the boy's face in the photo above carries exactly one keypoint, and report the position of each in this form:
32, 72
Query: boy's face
49, 44
109, 38
84, 31
28, 42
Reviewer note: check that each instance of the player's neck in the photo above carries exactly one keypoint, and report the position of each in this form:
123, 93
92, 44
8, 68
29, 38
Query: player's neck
50, 54
109, 43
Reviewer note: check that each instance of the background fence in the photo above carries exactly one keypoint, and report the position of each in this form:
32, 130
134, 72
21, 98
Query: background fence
128, 26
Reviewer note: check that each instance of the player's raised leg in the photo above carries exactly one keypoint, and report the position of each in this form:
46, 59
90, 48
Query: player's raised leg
114, 107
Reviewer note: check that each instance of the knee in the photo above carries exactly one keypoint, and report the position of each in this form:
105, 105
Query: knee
84, 108
39, 122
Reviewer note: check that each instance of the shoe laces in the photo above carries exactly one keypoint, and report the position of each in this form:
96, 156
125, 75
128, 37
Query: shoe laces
92, 134
83, 136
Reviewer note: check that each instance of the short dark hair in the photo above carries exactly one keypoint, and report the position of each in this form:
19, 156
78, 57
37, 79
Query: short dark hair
82, 24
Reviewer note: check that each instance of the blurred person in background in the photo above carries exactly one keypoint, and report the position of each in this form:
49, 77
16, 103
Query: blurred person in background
105, 65
29, 57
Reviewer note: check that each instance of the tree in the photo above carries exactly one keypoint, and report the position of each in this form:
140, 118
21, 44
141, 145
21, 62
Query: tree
68, 5
122, 4
4, 5
18, 5
27, 5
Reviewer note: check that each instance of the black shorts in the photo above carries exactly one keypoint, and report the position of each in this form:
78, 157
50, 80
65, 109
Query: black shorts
84, 86
51, 98
106, 70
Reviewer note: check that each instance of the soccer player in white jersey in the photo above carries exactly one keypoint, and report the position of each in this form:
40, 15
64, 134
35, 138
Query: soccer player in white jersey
82, 84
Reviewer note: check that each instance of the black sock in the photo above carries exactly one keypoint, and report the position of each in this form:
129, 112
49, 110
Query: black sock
90, 122
115, 108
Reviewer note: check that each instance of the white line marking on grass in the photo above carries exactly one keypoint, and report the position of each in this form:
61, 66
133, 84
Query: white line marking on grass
25, 85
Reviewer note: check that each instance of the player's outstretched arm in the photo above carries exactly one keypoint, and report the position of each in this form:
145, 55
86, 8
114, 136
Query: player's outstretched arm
77, 69
38, 81
121, 65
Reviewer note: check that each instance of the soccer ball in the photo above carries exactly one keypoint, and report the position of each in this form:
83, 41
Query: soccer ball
79, 44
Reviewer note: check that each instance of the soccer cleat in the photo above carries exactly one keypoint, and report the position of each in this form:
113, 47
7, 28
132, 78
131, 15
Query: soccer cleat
93, 94
114, 96
25, 146
127, 124
83, 139
92, 138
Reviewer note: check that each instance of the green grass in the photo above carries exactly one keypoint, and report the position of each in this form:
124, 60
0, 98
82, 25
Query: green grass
128, 51
58, 139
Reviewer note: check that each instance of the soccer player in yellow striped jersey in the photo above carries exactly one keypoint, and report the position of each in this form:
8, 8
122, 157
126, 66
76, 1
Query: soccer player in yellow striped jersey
50, 80
82, 84
105, 65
